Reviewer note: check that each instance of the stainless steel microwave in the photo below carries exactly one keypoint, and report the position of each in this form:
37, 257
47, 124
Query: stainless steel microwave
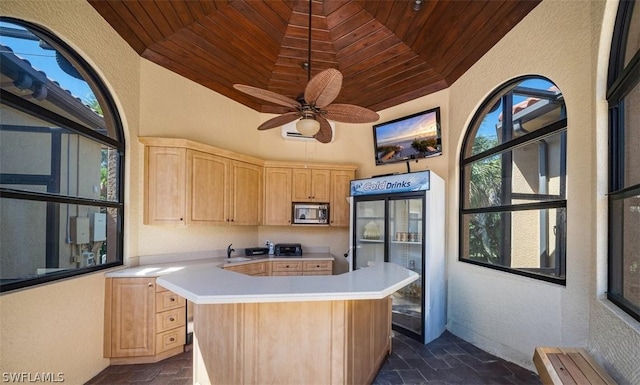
310, 213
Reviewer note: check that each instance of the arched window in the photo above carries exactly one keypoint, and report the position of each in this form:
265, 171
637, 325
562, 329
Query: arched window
513, 181
61, 161
623, 95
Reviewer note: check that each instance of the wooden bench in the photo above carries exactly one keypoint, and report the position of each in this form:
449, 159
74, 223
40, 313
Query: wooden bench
564, 366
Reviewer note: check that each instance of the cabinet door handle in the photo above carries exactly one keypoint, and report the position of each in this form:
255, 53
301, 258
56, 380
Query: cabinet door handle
172, 339
180, 218
151, 285
172, 319
172, 299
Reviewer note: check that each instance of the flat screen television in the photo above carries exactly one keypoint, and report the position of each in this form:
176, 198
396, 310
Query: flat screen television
411, 137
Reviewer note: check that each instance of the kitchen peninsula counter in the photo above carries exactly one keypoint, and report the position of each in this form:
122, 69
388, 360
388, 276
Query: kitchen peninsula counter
209, 284
289, 329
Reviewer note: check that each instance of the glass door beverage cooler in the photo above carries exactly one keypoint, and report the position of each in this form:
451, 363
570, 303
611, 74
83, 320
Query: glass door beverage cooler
400, 219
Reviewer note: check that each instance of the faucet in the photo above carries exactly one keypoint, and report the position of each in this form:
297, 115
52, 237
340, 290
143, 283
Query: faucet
230, 250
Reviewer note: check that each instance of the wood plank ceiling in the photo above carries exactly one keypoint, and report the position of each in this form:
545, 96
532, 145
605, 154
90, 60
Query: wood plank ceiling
388, 52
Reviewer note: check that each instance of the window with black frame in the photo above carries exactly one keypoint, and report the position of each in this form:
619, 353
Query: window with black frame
513, 181
623, 95
61, 162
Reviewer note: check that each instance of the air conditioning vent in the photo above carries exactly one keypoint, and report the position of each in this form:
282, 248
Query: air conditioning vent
289, 132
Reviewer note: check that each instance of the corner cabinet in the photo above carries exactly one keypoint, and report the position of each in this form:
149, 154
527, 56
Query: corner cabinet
192, 184
222, 190
144, 322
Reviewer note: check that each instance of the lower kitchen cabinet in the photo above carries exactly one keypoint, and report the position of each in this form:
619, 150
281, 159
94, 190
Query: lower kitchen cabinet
284, 268
255, 269
144, 322
279, 268
317, 267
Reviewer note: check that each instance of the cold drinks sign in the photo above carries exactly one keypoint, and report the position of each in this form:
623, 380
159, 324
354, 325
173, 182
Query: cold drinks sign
398, 183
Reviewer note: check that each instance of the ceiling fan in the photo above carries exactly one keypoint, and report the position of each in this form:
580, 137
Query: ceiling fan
314, 107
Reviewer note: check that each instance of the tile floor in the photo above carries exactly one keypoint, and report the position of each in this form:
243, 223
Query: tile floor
447, 360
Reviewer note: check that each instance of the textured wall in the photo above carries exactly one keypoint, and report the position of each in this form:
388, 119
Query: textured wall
510, 315
353, 143
59, 327
515, 304
613, 335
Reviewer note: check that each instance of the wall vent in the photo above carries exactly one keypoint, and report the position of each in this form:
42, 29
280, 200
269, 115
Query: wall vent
289, 132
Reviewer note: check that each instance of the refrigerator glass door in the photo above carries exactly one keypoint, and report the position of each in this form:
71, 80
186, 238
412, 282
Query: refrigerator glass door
369, 232
405, 240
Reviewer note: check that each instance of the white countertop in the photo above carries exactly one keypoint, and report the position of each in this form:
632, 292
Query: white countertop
152, 270
207, 283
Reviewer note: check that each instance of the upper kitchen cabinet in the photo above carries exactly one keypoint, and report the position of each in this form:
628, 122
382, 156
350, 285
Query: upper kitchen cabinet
207, 191
195, 184
165, 192
310, 185
339, 209
288, 182
277, 196
245, 194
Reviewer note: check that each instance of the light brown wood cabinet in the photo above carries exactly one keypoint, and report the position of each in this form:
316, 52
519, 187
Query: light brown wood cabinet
207, 191
254, 269
279, 268
306, 183
340, 192
277, 193
319, 267
184, 186
165, 191
284, 268
319, 342
144, 322
245, 194
311, 185
192, 183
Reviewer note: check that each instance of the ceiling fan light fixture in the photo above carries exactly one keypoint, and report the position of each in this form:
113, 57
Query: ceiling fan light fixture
308, 126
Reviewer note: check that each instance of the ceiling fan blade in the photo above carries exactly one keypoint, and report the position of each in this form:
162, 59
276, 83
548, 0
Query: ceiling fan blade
279, 120
348, 113
323, 88
325, 134
267, 95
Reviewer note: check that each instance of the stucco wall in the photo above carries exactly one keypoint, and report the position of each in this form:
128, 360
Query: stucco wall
613, 335
353, 143
510, 315
59, 327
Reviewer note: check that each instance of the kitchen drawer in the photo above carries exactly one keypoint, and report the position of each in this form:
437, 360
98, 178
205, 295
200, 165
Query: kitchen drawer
256, 268
316, 266
167, 300
171, 319
285, 266
170, 339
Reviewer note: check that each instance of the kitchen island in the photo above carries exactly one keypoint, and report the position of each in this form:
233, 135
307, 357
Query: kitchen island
290, 329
